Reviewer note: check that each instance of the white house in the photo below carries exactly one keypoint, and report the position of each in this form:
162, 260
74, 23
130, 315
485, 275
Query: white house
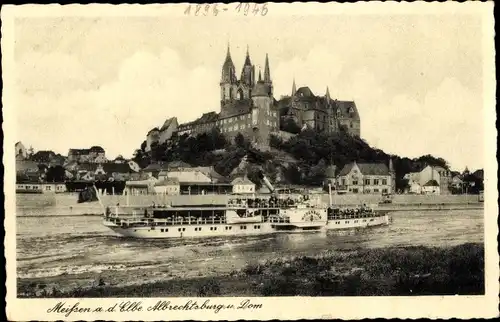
438, 174
431, 188
243, 185
414, 187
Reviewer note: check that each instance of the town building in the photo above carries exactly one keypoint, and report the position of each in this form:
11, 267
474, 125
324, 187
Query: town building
95, 154
431, 187
163, 134
370, 178
417, 180
319, 113
242, 185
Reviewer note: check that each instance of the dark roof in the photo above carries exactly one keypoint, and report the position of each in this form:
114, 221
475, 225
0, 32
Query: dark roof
78, 151
43, 156
367, 169
304, 92
236, 108
153, 130
207, 118
97, 149
116, 167
432, 183
479, 174
345, 107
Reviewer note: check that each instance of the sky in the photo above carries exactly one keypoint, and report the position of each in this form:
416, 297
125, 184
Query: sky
416, 79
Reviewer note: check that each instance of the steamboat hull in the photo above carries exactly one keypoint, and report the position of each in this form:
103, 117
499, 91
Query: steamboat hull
353, 223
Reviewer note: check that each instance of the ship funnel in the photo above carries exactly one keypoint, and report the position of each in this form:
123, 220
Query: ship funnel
266, 182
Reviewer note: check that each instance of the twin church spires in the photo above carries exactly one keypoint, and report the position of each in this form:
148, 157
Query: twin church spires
234, 89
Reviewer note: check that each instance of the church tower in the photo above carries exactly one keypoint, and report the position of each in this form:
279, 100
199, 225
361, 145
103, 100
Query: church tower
228, 80
248, 72
267, 75
294, 88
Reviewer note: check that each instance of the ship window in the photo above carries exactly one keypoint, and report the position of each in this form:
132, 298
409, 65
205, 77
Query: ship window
364, 220
166, 230
215, 228
179, 229
371, 219
161, 230
183, 229
211, 228
346, 222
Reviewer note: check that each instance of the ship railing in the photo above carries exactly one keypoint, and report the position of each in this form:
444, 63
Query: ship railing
176, 222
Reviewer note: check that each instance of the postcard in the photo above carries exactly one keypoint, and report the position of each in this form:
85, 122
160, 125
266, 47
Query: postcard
250, 161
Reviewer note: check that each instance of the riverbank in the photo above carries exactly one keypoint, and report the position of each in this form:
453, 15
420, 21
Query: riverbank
66, 204
391, 271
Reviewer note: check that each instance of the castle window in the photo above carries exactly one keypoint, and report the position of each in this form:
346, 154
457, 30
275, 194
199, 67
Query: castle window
384, 182
240, 94
375, 181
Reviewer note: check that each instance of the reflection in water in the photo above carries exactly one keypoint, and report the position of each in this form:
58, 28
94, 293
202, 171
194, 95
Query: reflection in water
51, 246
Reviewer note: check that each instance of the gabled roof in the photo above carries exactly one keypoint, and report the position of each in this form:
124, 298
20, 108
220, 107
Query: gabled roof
168, 123
241, 180
379, 169
431, 183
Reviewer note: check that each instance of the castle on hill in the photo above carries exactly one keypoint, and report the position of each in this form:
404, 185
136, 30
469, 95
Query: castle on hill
248, 106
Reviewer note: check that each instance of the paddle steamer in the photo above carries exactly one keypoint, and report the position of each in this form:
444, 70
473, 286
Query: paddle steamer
239, 216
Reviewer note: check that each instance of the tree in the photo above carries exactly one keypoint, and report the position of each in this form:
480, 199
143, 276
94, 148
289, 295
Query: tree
289, 125
56, 174
143, 146
239, 140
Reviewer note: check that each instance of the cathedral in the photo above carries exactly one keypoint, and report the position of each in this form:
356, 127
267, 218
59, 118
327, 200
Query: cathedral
248, 106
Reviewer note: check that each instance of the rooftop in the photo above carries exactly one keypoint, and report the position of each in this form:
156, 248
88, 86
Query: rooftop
366, 169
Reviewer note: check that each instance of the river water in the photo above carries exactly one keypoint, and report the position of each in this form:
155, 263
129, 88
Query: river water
63, 249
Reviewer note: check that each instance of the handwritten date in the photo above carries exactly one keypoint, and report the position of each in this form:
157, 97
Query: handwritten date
215, 9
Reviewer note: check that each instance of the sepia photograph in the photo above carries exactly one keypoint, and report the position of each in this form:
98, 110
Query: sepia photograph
249, 153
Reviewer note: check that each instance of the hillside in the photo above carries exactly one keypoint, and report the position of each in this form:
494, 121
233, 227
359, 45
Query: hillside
301, 160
